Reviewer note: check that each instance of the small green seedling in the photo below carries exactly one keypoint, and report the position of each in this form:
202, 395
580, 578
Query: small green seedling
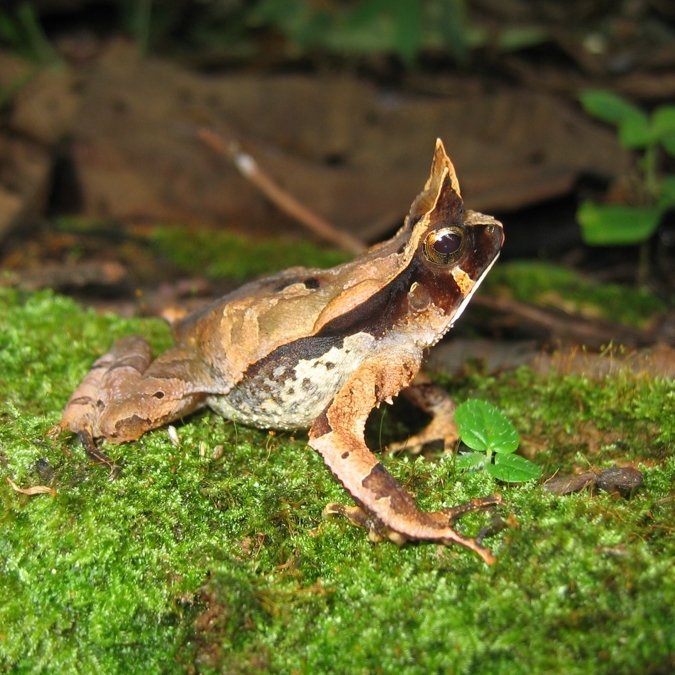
487, 431
634, 222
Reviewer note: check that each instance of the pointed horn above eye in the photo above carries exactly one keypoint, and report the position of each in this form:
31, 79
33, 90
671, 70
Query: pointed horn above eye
442, 171
440, 162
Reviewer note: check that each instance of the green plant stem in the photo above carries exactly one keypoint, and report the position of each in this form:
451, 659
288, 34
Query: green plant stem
652, 185
142, 24
642, 275
649, 167
35, 35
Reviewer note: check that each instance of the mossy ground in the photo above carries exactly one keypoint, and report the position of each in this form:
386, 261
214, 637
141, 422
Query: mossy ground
188, 563
549, 284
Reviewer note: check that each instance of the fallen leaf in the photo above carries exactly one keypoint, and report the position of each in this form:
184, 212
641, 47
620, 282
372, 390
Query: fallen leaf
350, 151
35, 490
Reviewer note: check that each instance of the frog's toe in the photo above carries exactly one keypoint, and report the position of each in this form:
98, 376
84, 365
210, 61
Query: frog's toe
439, 431
94, 453
377, 530
477, 504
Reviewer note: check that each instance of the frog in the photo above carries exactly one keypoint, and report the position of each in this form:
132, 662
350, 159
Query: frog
318, 349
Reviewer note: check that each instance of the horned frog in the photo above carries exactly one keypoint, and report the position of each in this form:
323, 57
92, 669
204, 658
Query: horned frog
318, 349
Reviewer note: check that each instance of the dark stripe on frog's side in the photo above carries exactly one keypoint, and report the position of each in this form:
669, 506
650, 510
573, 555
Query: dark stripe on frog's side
303, 349
387, 307
290, 386
377, 314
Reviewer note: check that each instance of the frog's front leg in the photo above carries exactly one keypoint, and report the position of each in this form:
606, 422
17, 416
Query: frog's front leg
124, 395
337, 434
435, 401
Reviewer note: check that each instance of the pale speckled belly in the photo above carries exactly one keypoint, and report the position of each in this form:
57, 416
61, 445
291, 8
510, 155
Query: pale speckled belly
293, 385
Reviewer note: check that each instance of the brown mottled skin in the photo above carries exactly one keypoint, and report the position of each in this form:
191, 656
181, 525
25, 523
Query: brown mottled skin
318, 349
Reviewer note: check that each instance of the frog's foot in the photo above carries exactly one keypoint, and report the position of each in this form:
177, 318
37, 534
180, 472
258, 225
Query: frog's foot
377, 531
359, 517
90, 447
434, 401
337, 434
97, 455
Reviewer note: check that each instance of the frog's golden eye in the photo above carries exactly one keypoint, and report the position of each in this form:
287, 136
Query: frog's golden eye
444, 246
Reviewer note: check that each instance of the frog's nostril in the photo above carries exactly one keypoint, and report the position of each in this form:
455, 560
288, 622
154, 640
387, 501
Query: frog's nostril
497, 230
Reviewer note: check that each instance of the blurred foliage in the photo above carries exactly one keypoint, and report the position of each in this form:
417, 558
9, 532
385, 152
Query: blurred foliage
553, 285
366, 27
211, 25
346, 28
136, 20
20, 30
401, 27
616, 224
222, 254
372, 26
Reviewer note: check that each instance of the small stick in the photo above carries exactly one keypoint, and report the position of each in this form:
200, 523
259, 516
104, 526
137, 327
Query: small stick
249, 168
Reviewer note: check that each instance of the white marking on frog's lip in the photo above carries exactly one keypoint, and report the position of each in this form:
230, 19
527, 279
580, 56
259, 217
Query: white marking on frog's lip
469, 295
464, 282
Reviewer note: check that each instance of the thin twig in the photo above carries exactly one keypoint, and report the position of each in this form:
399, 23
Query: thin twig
594, 333
249, 168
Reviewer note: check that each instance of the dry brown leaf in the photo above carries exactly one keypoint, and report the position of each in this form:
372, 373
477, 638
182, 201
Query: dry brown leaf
351, 152
35, 490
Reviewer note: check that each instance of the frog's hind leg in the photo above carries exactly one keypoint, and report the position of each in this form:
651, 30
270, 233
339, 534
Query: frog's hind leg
124, 395
387, 509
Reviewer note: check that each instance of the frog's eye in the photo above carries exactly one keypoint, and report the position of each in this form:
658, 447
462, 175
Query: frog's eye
444, 246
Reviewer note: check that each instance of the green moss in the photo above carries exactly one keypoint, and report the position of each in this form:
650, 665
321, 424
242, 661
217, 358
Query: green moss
544, 283
218, 253
190, 563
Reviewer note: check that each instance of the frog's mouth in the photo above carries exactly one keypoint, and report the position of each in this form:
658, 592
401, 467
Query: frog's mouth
469, 295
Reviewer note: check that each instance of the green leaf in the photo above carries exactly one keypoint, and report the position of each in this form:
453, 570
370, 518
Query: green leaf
663, 121
636, 132
634, 128
484, 427
453, 29
470, 460
615, 225
609, 107
669, 144
513, 469
667, 192
365, 12
514, 38
408, 22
